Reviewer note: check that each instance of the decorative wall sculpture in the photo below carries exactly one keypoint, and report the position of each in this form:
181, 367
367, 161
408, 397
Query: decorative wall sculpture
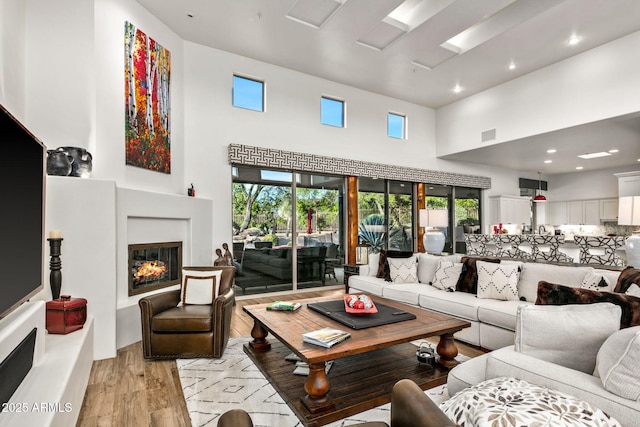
147, 122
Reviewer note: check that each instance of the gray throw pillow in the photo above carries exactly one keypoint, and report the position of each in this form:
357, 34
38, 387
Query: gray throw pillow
567, 335
618, 361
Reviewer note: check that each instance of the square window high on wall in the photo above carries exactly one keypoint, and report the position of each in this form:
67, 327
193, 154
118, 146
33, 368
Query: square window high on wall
396, 126
332, 112
248, 93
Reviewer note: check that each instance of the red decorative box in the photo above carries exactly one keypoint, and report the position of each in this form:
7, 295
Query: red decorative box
66, 314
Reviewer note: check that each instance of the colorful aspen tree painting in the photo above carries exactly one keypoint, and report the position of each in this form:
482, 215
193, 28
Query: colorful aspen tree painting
147, 127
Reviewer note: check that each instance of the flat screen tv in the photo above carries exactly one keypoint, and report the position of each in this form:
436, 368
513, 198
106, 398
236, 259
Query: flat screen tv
22, 191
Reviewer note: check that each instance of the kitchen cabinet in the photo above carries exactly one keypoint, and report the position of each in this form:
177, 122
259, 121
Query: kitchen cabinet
608, 209
509, 210
583, 212
557, 213
628, 184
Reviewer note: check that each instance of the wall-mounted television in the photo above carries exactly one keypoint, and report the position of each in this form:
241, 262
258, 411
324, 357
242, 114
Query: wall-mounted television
22, 203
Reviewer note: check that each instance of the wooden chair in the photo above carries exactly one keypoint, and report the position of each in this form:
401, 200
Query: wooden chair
170, 331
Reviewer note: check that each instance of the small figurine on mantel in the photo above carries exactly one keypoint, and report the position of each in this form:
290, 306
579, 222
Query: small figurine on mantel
220, 260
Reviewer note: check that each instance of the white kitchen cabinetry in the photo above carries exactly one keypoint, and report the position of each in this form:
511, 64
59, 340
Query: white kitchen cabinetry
628, 184
609, 209
557, 213
509, 210
583, 212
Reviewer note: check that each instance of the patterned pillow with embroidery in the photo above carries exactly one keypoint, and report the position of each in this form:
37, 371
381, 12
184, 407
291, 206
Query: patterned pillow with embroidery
514, 402
498, 281
403, 270
596, 282
447, 276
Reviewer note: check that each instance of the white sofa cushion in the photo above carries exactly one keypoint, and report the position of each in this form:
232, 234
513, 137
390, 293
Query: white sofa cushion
459, 304
408, 293
374, 261
618, 361
367, 284
447, 275
568, 335
498, 281
533, 272
428, 264
500, 313
403, 270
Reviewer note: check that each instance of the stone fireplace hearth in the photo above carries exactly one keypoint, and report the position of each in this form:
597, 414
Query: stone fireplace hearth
154, 266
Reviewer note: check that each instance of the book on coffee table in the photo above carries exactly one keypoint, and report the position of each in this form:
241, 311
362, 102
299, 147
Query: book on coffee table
302, 368
284, 306
325, 337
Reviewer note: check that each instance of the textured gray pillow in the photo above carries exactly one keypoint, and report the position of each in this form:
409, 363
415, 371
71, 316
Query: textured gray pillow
618, 361
567, 335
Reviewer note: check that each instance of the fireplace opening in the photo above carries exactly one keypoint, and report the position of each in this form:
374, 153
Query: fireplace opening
154, 266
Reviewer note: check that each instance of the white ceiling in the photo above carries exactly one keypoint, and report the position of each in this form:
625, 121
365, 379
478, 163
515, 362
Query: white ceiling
354, 42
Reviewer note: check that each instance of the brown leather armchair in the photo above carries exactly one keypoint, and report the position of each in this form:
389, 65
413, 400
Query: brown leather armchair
188, 331
410, 407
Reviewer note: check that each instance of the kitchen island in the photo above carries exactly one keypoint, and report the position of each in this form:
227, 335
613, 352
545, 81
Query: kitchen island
590, 250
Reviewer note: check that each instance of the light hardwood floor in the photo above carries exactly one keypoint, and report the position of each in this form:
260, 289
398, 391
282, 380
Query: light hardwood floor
129, 390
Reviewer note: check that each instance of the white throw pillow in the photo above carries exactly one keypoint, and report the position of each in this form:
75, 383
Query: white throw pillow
618, 361
427, 266
567, 335
447, 275
374, 260
634, 290
403, 270
595, 282
200, 286
498, 281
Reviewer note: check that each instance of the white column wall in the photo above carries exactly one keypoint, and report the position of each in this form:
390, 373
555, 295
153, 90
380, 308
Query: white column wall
12, 57
598, 84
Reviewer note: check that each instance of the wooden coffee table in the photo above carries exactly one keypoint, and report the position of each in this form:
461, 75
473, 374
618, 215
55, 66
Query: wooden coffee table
366, 366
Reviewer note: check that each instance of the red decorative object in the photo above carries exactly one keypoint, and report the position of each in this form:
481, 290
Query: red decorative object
66, 314
356, 311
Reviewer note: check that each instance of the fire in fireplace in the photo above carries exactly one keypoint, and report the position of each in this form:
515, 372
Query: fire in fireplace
154, 266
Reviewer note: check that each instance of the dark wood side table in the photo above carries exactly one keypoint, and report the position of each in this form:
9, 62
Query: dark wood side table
350, 270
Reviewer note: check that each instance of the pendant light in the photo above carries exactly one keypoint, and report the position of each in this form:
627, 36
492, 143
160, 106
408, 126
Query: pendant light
539, 197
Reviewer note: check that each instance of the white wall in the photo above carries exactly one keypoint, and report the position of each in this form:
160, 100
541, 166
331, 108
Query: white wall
60, 70
599, 184
598, 84
292, 122
110, 17
12, 57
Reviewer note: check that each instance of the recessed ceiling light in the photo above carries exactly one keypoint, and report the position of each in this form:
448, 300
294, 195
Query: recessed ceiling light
573, 40
615, 150
457, 89
579, 168
512, 66
551, 150
189, 15
594, 155
548, 161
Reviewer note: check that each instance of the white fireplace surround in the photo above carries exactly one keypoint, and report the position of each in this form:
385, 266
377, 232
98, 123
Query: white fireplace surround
98, 221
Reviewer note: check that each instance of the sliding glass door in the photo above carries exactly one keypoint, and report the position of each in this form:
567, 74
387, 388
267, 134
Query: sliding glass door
287, 234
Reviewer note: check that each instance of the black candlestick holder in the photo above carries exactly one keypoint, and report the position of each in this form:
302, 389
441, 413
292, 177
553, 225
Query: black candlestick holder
55, 265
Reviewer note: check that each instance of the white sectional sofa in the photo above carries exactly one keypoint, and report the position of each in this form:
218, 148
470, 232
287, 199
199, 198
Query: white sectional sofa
493, 321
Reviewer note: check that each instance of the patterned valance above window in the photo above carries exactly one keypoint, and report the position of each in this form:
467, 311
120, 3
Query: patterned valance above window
289, 160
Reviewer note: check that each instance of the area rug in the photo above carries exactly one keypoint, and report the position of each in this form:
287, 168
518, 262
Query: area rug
213, 386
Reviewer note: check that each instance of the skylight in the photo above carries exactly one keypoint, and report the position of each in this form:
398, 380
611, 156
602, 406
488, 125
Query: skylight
413, 13
594, 155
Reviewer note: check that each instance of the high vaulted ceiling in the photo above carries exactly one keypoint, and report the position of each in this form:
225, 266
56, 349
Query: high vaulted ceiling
408, 52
